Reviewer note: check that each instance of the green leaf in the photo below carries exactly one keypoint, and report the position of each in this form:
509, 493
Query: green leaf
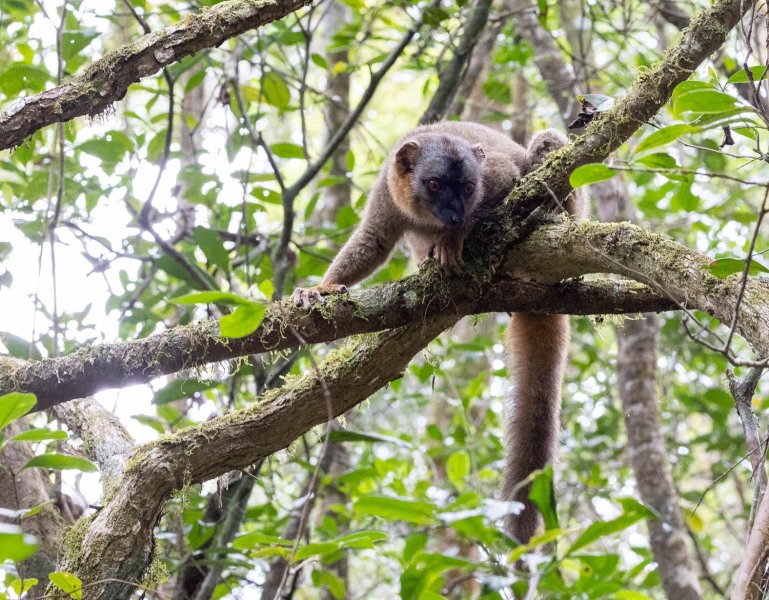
396, 509
345, 435
287, 150
169, 265
704, 101
688, 86
267, 287
592, 173
211, 245
422, 578
543, 496
156, 146
630, 595
458, 468
361, 540
227, 298
107, 150
182, 388
635, 506
664, 136
319, 61
242, 321
15, 545
334, 584
498, 91
267, 195
14, 406
59, 462
39, 435
658, 160
747, 132
735, 115
723, 267
603, 528
741, 76
195, 80
72, 42
20, 77
21, 586
276, 91
256, 539
152, 422
67, 583
18, 347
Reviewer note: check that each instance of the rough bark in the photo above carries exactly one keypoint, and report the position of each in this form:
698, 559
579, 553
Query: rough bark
748, 577
405, 302
118, 541
570, 250
105, 440
748, 582
77, 377
106, 80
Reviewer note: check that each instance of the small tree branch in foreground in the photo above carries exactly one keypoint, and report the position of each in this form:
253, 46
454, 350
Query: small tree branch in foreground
106, 80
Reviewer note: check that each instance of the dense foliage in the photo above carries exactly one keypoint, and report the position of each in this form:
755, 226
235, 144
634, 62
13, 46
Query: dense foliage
211, 189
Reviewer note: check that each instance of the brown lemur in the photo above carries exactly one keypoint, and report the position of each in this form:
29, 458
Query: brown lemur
432, 185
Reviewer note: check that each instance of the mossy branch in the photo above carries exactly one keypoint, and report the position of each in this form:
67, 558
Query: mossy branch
411, 301
106, 80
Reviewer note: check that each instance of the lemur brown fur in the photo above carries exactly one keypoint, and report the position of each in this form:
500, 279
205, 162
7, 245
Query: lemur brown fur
432, 185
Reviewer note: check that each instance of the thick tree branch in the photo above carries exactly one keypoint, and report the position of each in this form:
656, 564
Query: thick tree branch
93, 369
570, 250
350, 374
407, 302
106, 80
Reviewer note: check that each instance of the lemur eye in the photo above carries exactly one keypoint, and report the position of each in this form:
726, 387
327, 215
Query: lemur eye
434, 185
469, 188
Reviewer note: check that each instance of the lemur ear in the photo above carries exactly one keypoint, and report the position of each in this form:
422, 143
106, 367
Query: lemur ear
406, 157
479, 153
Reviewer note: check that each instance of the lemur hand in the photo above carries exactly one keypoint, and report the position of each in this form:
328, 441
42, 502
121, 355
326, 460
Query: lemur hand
305, 296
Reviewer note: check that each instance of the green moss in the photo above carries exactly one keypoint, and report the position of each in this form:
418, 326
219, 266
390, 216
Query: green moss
72, 546
157, 571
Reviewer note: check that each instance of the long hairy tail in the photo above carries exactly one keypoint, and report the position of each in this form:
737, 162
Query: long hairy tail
537, 347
